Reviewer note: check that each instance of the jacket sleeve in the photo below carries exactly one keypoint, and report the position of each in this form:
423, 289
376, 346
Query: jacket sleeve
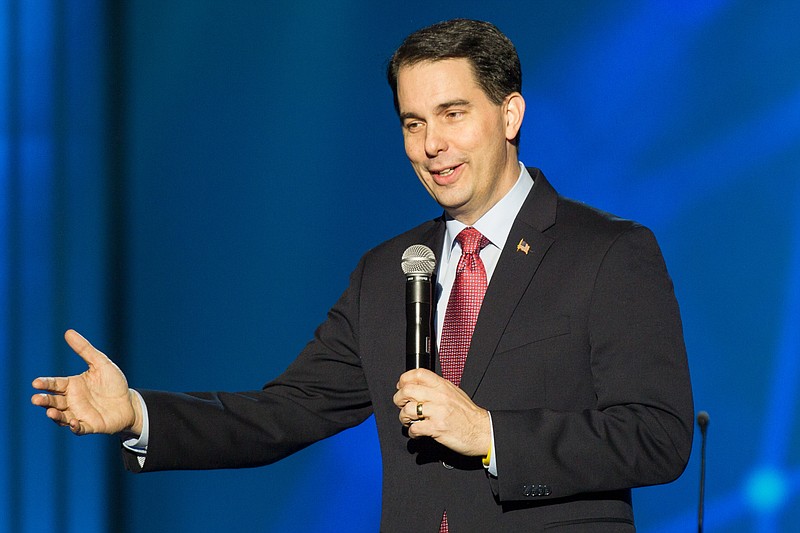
321, 393
639, 430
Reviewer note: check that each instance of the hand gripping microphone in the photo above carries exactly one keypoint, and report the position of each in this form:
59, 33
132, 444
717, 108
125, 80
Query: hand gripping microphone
418, 265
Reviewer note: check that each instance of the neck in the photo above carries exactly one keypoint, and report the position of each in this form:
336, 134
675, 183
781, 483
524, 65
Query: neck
508, 178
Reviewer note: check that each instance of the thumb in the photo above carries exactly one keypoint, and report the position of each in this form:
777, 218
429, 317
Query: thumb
84, 348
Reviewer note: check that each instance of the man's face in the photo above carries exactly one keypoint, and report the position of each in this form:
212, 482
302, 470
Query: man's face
457, 140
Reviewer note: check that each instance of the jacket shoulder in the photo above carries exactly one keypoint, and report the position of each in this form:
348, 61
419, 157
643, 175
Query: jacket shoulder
575, 217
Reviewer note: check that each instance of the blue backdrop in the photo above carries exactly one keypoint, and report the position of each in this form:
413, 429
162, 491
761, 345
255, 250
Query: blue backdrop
189, 184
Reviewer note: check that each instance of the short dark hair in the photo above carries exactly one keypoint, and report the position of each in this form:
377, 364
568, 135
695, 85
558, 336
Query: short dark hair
491, 54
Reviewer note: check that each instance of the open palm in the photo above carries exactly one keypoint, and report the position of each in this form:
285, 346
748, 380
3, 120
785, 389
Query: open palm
96, 401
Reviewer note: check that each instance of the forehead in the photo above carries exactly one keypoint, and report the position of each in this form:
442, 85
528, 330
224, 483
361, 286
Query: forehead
430, 83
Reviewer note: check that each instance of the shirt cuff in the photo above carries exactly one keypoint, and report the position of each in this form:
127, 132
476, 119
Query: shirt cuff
492, 467
138, 445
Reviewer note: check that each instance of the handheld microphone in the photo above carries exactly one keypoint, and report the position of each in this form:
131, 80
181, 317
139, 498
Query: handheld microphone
702, 421
418, 265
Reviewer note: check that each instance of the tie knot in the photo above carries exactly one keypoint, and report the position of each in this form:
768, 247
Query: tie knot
471, 241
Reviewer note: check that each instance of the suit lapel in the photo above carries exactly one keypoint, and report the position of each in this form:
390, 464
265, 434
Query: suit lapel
433, 237
512, 276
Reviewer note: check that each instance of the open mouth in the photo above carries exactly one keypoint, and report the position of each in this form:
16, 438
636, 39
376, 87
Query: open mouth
445, 171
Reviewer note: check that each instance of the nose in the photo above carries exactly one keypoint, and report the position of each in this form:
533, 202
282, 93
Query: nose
435, 142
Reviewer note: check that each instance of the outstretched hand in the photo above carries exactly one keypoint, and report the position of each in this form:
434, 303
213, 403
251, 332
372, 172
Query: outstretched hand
96, 401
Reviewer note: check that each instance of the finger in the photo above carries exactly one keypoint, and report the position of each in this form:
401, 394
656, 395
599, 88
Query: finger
55, 385
49, 400
408, 422
419, 376
78, 428
420, 428
84, 348
405, 395
400, 399
416, 410
41, 400
413, 393
407, 414
65, 420
57, 416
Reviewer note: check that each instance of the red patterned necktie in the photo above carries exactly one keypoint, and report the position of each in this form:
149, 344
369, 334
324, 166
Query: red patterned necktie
463, 306
462, 312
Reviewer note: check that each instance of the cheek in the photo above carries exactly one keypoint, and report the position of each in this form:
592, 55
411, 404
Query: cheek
472, 139
412, 148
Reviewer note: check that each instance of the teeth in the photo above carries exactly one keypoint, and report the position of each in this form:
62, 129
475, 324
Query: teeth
446, 172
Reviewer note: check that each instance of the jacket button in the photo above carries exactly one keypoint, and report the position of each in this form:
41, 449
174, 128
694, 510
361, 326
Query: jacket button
536, 490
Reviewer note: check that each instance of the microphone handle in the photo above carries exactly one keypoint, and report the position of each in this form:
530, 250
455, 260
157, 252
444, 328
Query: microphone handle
418, 322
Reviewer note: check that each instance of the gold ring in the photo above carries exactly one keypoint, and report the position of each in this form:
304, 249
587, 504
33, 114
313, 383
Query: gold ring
419, 409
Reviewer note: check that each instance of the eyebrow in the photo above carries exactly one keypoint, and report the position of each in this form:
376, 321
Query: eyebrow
439, 108
452, 103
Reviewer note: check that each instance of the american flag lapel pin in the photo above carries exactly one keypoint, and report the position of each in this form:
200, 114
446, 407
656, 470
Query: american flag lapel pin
523, 247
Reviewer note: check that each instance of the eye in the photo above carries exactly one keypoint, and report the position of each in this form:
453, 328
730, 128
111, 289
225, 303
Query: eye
454, 115
413, 125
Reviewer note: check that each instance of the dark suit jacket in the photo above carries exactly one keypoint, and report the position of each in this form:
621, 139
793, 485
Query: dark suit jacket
578, 353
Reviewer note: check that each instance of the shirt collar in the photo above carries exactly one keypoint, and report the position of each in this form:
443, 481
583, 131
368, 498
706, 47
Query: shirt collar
496, 223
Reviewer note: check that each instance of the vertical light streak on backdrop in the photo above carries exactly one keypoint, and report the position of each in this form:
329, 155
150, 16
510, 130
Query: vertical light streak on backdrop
30, 156
771, 486
52, 252
7, 493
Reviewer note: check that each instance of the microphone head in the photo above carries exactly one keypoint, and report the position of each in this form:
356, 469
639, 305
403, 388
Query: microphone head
418, 259
702, 420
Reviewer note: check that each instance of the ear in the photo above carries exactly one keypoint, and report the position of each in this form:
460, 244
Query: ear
514, 108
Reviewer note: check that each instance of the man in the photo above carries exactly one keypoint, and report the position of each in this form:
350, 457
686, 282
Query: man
565, 375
